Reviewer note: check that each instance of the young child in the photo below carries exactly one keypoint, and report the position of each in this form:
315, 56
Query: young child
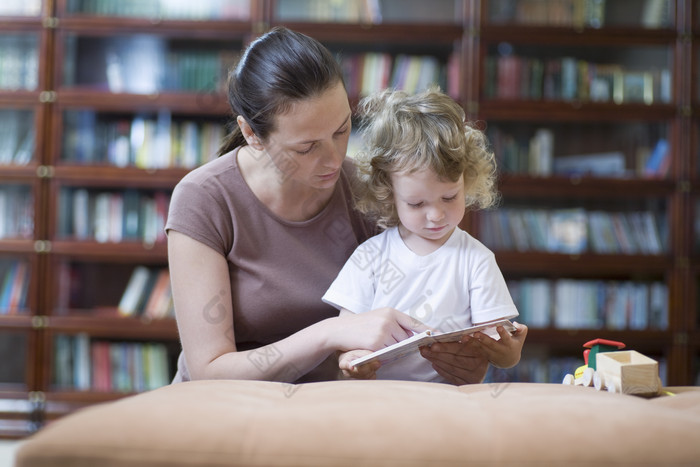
422, 166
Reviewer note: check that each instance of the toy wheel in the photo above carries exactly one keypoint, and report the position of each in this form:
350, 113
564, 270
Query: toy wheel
588, 375
598, 381
568, 380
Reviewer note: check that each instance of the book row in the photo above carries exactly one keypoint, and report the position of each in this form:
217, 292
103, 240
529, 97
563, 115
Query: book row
575, 13
16, 212
112, 216
574, 231
20, 8
148, 294
147, 64
591, 304
348, 11
366, 73
535, 155
19, 62
370, 11
564, 13
14, 282
17, 136
165, 9
509, 76
147, 142
82, 364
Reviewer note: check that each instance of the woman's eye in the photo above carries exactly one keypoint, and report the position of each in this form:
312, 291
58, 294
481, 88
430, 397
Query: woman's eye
305, 151
341, 132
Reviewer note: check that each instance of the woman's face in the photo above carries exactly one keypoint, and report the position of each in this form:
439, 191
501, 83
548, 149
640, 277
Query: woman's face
310, 140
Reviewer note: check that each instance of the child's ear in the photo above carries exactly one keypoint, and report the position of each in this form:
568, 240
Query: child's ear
248, 133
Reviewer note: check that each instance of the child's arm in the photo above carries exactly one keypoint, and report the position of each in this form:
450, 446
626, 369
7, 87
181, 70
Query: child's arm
503, 353
367, 371
344, 359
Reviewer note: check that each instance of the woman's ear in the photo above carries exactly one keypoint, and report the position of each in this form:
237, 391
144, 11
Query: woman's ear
248, 133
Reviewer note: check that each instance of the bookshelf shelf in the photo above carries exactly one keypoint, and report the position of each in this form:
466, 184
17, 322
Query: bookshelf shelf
104, 25
21, 23
573, 111
62, 402
19, 97
16, 246
576, 186
21, 321
461, 39
127, 251
619, 36
107, 324
96, 175
204, 103
19, 173
583, 265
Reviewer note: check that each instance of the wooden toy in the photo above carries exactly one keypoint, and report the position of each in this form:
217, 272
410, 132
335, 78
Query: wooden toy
628, 372
608, 367
593, 347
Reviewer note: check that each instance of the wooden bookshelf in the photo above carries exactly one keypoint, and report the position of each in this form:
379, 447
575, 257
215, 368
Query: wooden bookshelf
461, 39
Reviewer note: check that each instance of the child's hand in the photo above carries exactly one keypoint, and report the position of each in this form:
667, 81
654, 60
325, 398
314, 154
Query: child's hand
503, 353
367, 371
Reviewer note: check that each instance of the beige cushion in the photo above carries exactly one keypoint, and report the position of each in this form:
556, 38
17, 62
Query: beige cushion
351, 423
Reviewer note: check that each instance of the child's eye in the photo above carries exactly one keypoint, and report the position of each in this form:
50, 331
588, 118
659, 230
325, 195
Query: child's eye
415, 205
451, 198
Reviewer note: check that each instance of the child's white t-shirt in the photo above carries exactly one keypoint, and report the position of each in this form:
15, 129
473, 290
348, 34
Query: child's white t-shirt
455, 286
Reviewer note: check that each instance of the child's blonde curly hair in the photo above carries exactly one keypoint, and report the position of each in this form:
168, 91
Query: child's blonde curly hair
403, 132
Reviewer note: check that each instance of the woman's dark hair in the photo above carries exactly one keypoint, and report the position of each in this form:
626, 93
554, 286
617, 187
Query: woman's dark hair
277, 69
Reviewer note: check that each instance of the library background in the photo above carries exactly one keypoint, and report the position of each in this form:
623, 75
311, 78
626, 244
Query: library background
592, 107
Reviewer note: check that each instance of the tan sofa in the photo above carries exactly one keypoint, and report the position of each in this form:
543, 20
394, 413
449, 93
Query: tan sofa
377, 423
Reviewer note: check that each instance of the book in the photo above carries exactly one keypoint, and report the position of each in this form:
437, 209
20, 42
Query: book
604, 164
429, 337
659, 160
568, 231
132, 300
158, 304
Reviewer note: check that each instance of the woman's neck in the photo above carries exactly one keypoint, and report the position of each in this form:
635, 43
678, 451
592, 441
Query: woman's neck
284, 196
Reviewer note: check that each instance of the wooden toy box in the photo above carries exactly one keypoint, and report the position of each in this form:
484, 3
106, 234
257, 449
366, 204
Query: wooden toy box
629, 372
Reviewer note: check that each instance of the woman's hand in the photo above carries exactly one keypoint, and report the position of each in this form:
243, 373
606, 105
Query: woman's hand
361, 334
373, 330
367, 371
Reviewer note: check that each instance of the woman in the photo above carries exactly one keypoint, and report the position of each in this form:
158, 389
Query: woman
256, 236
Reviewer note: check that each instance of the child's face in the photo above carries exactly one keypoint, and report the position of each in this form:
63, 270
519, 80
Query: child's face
429, 208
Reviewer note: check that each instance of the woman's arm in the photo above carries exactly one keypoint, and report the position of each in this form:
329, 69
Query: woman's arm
202, 298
